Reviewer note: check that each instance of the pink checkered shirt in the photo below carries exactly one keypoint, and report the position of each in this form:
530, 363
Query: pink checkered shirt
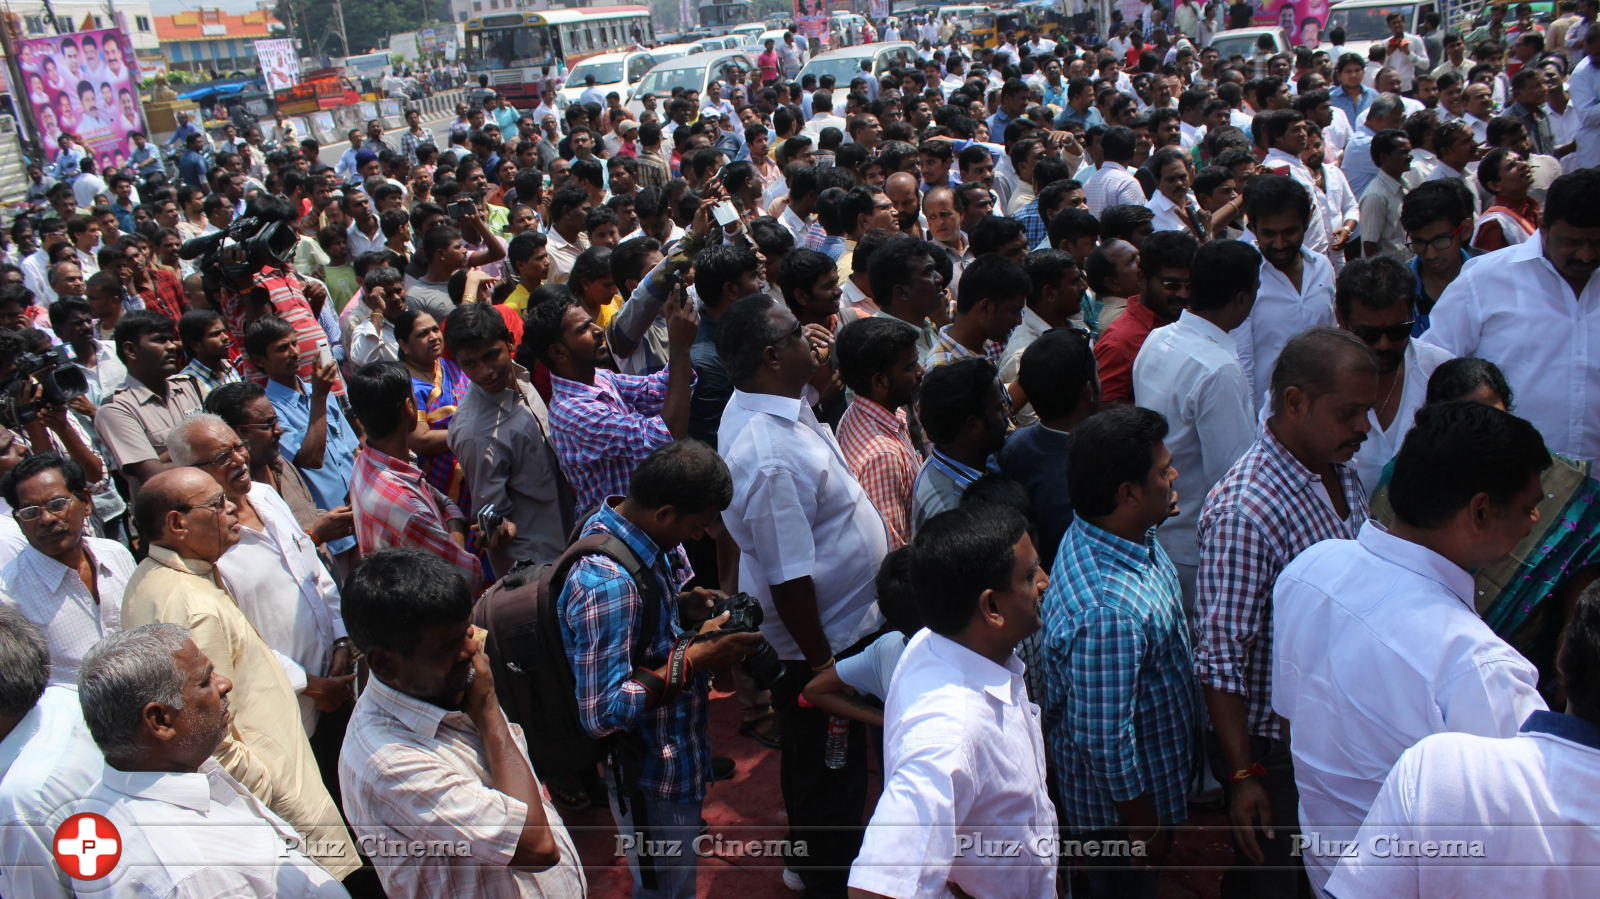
394, 505
877, 446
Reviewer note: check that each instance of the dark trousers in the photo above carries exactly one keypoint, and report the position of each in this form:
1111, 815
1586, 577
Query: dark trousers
1282, 875
1116, 876
825, 804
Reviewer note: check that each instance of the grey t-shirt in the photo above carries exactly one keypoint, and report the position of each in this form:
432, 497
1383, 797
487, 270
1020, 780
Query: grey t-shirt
432, 297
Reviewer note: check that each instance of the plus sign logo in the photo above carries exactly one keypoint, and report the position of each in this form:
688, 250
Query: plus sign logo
87, 846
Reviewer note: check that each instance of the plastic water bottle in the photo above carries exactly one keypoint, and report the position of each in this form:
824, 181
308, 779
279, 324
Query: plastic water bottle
838, 746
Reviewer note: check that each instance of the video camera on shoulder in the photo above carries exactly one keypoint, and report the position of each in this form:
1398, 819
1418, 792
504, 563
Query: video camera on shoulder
60, 382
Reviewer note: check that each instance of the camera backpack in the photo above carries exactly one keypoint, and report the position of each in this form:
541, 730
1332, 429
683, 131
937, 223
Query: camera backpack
532, 676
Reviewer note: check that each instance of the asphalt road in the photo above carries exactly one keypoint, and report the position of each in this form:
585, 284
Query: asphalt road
441, 133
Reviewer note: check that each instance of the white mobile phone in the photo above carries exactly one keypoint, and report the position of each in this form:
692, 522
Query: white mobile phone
324, 355
725, 213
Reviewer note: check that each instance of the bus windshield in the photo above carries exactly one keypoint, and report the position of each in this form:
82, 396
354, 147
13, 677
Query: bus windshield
500, 48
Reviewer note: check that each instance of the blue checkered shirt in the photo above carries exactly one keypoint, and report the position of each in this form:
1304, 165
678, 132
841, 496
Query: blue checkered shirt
1116, 679
602, 431
1033, 224
599, 608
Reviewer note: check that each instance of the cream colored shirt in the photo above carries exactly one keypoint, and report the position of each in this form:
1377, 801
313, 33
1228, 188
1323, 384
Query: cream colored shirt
265, 748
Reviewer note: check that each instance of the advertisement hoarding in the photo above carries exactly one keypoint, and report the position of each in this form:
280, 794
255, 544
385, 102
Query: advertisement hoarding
85, 84
811, 20
280, 64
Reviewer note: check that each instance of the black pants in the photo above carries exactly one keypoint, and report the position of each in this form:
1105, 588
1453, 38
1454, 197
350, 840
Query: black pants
1114, 876
825, 805
1282, 874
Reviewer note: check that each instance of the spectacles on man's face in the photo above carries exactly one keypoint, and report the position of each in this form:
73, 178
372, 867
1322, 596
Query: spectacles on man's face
222, 458
1438, 244
1372, 335
56, 507
215, 505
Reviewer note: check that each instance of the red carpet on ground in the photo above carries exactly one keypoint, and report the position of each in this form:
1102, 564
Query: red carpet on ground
748, 809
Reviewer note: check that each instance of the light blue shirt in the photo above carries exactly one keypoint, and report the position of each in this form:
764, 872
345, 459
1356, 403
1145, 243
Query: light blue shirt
330, 484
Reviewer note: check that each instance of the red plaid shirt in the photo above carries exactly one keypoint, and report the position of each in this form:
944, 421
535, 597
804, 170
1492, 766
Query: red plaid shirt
394, 505
877, 446
164, 294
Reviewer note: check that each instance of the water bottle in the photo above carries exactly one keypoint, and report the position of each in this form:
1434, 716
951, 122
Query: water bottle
838, 746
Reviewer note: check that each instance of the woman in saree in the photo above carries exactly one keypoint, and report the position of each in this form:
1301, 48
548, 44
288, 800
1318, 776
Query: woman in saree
1527, 597
438, 385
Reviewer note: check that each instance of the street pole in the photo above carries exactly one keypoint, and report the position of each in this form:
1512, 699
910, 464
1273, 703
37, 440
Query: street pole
338, 18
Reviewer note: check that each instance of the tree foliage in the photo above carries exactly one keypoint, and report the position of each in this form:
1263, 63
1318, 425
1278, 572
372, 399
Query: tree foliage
368, 23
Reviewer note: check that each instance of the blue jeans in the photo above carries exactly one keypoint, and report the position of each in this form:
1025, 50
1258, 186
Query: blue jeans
666, 837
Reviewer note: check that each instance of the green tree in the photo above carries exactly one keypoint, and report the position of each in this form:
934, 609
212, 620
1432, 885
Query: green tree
368, 23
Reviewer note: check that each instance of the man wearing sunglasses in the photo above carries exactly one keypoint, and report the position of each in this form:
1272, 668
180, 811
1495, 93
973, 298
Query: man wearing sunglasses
68, 584
1375, 299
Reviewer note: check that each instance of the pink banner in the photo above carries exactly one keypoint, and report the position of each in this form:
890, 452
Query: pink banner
811, 19
86, 84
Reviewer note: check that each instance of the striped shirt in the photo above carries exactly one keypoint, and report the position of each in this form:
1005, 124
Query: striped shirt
877, 446
393, 505
602, 431
600, 607
1115, 682
938, 486
1266, 510
210, 379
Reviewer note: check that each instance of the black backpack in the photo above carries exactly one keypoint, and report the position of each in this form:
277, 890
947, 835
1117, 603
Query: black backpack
532, 675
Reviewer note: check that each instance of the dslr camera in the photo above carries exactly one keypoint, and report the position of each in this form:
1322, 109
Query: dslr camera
744, 617
60, 382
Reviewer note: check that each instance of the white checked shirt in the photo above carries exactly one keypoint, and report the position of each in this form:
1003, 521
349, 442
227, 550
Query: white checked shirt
54, 597
1189, 372
1112, 185
563, 254
1512, 308
1377, 644
411, 770
200, 836
361, 243
1280, 313
964, 758
797, 511
282, 587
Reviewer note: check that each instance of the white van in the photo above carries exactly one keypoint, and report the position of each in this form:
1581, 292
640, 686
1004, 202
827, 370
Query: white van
611, 71
693, 72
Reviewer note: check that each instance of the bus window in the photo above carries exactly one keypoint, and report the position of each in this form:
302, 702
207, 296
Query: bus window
503, 47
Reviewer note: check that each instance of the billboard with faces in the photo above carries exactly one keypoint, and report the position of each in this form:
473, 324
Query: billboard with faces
85, 84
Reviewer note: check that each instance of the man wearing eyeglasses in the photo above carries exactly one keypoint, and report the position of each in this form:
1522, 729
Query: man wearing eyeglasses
274, 573
68, 584
190, 523
1375, 299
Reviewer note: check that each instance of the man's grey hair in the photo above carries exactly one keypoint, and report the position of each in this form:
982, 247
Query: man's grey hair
24, 663
54, 272
1385, 106
178, 446
120, 676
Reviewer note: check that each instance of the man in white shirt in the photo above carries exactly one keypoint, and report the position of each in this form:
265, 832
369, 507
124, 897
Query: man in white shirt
1375, 299
822, 116
810, 545
1583, 91
964, 761
187, 828
1113, 184
1534, 310
430, 755
1189, 372
273, 572
1284, 135
47, 761
1404, 52
1376, 642
365, 231
67, 584
1296, 290
1522, 808
371, 337
1381, 233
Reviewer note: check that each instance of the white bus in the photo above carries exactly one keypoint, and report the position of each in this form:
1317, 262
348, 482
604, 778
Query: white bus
523, 52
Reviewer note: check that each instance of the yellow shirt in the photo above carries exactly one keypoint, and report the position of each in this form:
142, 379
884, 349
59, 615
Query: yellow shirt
518, 299
265, 748
609, 311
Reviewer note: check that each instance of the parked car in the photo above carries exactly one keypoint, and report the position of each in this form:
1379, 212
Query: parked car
845, 63
1242, 41
693, 72
611, 71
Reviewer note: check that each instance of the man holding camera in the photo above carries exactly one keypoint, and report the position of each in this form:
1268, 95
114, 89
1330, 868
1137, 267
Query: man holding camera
659, 699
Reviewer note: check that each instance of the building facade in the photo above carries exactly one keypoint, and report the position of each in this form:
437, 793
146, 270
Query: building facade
213, 40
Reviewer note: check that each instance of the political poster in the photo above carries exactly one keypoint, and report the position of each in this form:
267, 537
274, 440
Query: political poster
280, 64
811, 19
87, 85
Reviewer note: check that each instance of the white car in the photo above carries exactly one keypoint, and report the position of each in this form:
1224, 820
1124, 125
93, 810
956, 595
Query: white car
845, 63
611, 71
693, 72
1365, 22
1242, 41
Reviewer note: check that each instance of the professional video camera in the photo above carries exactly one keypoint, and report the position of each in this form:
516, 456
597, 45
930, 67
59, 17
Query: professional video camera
245, 247
59, 382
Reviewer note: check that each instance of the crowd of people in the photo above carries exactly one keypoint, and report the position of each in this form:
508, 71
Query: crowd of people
1098, 430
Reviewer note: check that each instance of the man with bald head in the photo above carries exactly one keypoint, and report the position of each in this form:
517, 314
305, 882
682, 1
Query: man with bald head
190, 523
273, 572
903, 193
